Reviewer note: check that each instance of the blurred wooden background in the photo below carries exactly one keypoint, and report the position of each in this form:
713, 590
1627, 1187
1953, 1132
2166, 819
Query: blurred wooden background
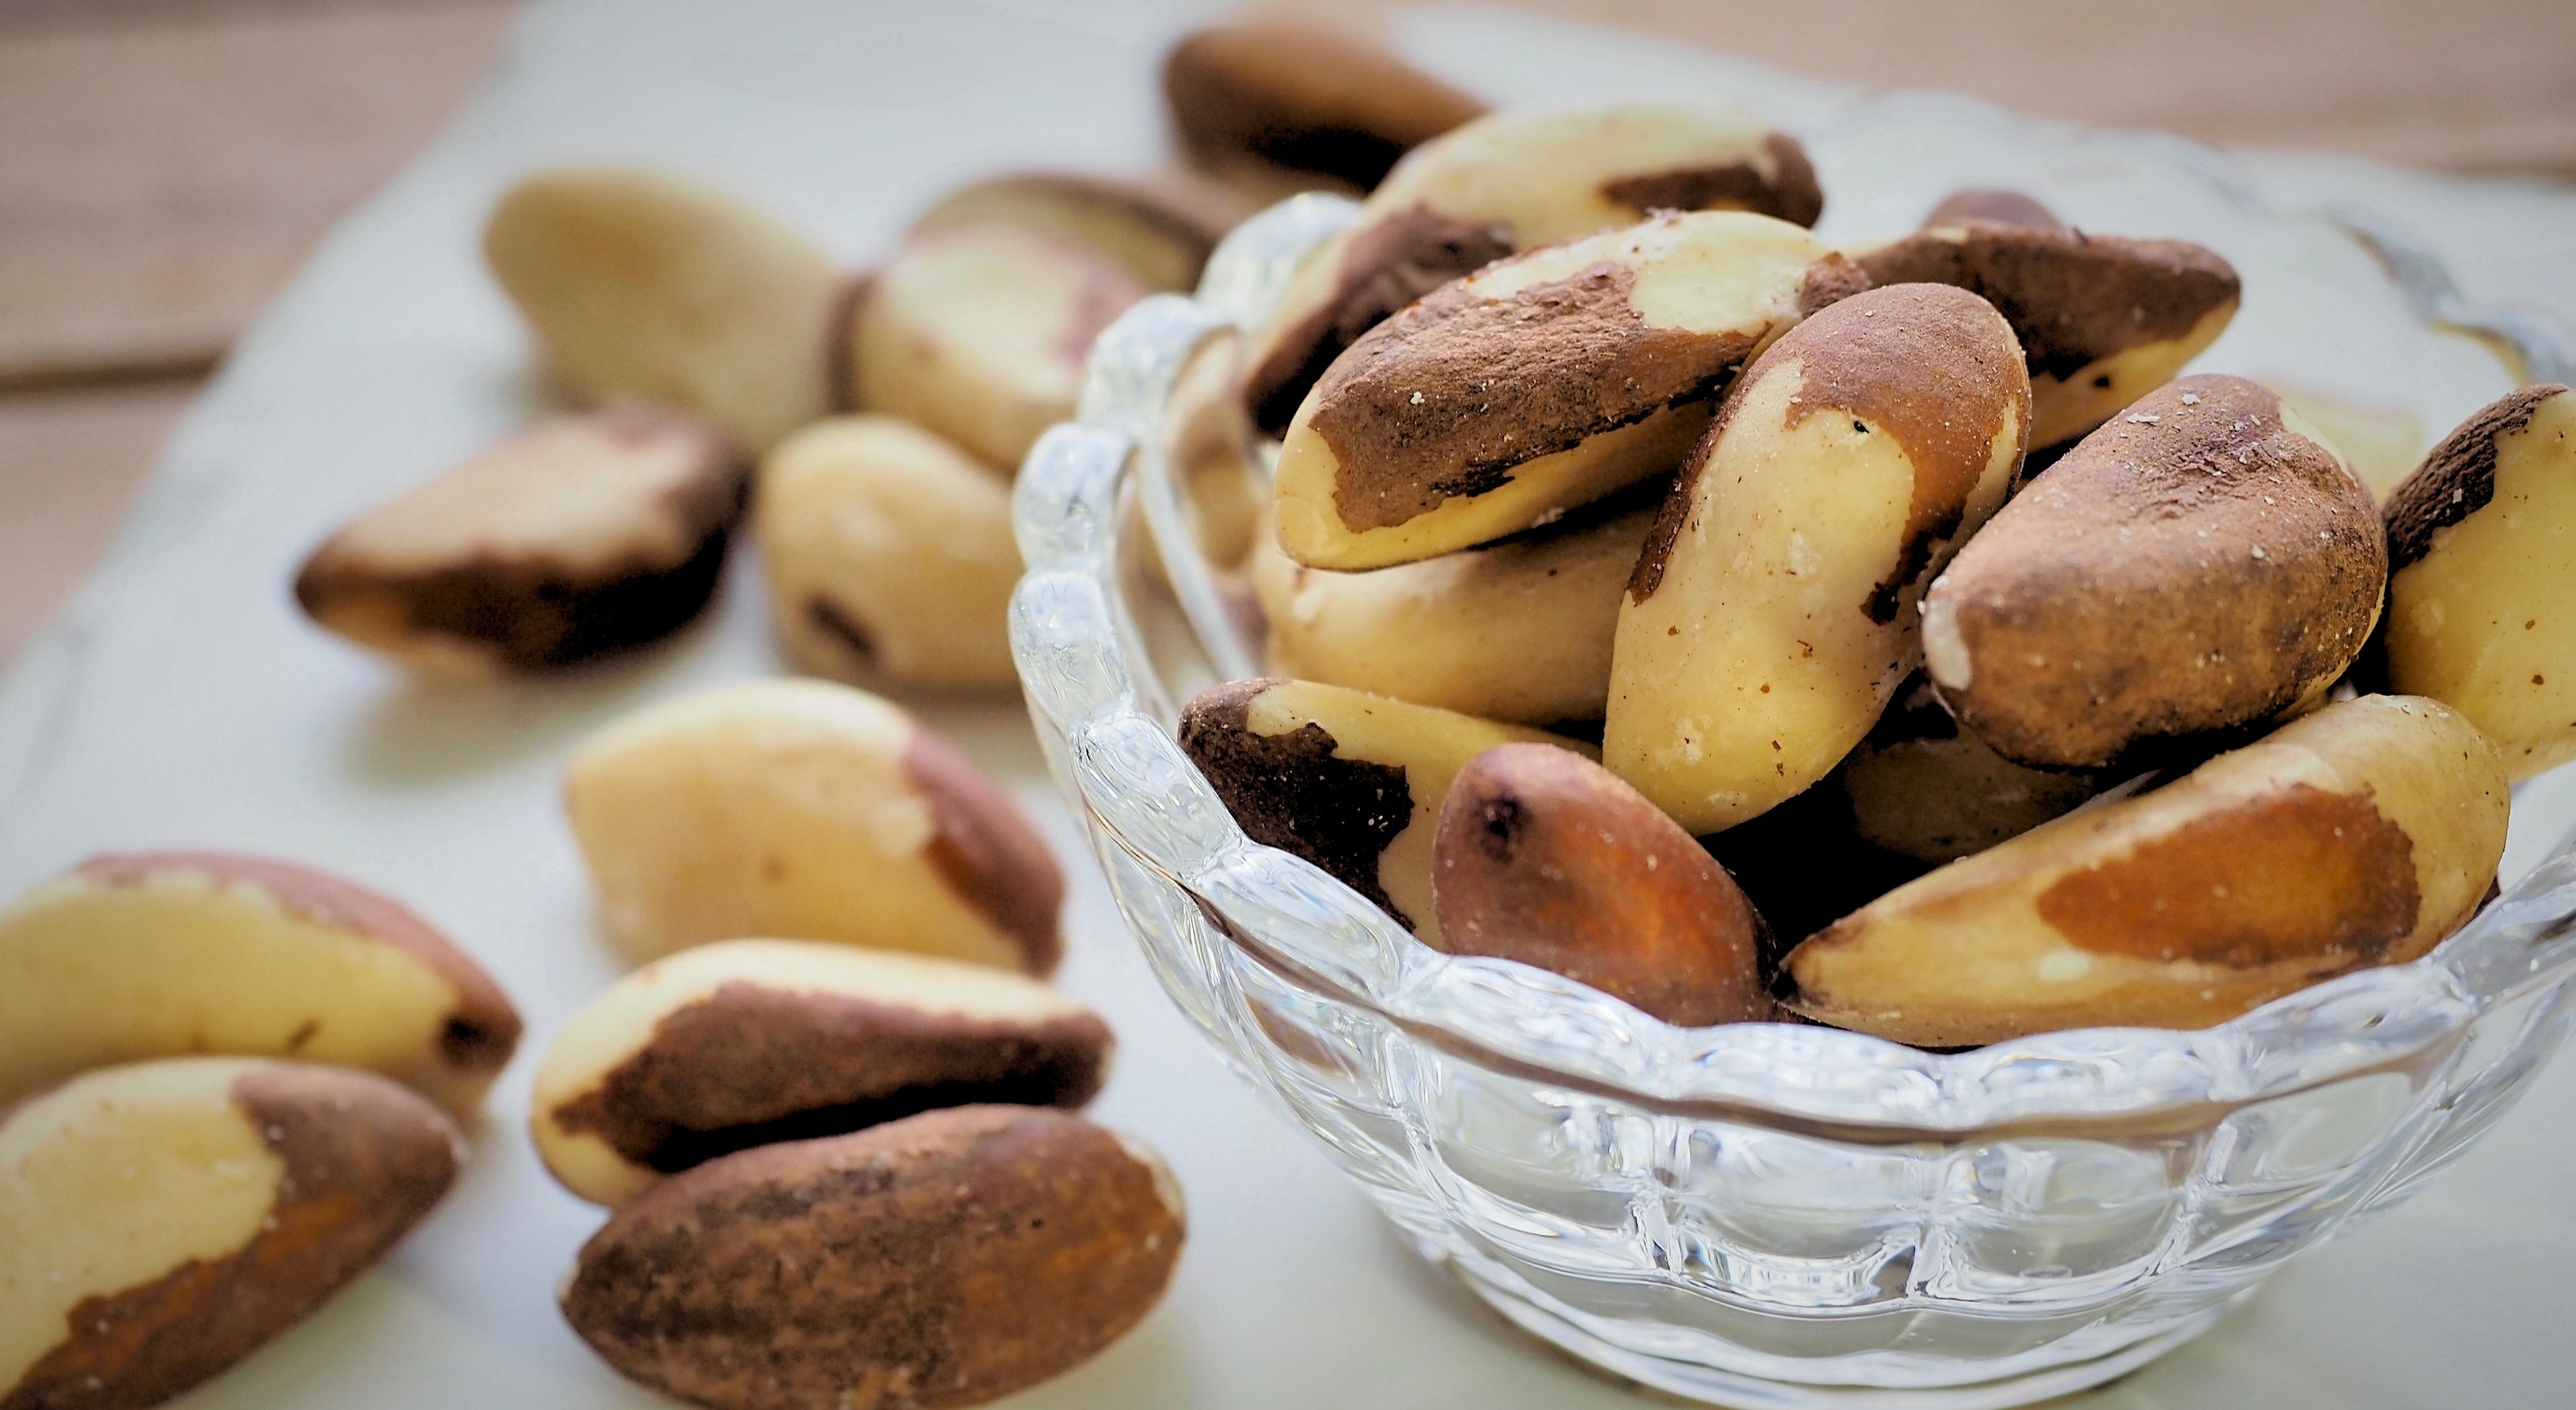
165, 164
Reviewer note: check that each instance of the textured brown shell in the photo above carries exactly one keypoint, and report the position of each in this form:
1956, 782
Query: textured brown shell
1303, 97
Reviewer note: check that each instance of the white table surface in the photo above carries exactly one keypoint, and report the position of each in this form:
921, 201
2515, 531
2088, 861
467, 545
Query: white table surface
182, 702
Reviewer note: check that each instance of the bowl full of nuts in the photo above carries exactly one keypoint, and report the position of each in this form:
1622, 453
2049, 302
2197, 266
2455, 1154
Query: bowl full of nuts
1816, 819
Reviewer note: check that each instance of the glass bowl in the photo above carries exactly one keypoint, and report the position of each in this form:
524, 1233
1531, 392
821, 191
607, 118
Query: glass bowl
1766, 1214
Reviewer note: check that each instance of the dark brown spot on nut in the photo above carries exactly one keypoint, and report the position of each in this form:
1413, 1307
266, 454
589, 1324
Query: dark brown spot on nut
1289, 791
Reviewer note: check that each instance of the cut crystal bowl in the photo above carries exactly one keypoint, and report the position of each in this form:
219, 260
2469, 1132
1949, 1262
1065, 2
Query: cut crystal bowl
1763, 1214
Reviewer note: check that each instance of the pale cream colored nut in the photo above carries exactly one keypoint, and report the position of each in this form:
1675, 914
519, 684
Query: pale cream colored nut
1213, 453
2103, 320
1545, 857
809, 811
1921, 786
2359, 835
979, 332
645, 285
1539, 384
1304, 99
1349, 781
578, 537
2482, 586
1510, 182
169, 953
890, 556
943, 1260
1771, 615
1162, 228
2203, 563
161, 1221
1517, 630
750, 1042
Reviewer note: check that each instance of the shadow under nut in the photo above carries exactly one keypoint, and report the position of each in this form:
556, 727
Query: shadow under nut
939, 1261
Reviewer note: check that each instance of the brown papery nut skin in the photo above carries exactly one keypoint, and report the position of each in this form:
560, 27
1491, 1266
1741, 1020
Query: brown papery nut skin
1507, 183
167, 954
1305, 98
2482, 576
358, 1160
1992, 207
1546, 858
943, 1260
576, 538
2102, 319
2197, 565
2358, 835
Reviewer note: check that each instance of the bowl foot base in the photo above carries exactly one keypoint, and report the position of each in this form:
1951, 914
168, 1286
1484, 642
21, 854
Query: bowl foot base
1712, 1386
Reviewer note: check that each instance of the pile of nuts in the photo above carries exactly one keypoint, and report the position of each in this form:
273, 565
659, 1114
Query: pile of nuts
1882, 637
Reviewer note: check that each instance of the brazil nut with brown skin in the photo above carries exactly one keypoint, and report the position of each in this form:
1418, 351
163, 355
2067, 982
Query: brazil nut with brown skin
580, 536
2358, 835
162, 954
1545, 857
1771, 615
646, 285
2482, 576
1511, 182
978, 332
1349, 781
2203, 563
943, 1260
1539, 384
889, 555
1301, 101
1517, 630
749, 1042
2102, 319
805, 810
161, 1221
1921, 786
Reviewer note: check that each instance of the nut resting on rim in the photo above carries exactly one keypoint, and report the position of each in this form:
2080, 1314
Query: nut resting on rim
1735, 1214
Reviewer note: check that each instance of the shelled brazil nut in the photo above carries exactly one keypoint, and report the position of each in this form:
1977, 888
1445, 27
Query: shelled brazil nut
1509, 183
889, 555
1162, 228
1349, 781
751, 1042
2482, 586
647, 285
1539, 384
1276, 103
977, 332
1545, 857
1771, 614
807, 810
2103, 319
2359, 835
1920, 785
1516, 630
161, 1221
2202, 563
580, 536
942, 1260
166, 954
